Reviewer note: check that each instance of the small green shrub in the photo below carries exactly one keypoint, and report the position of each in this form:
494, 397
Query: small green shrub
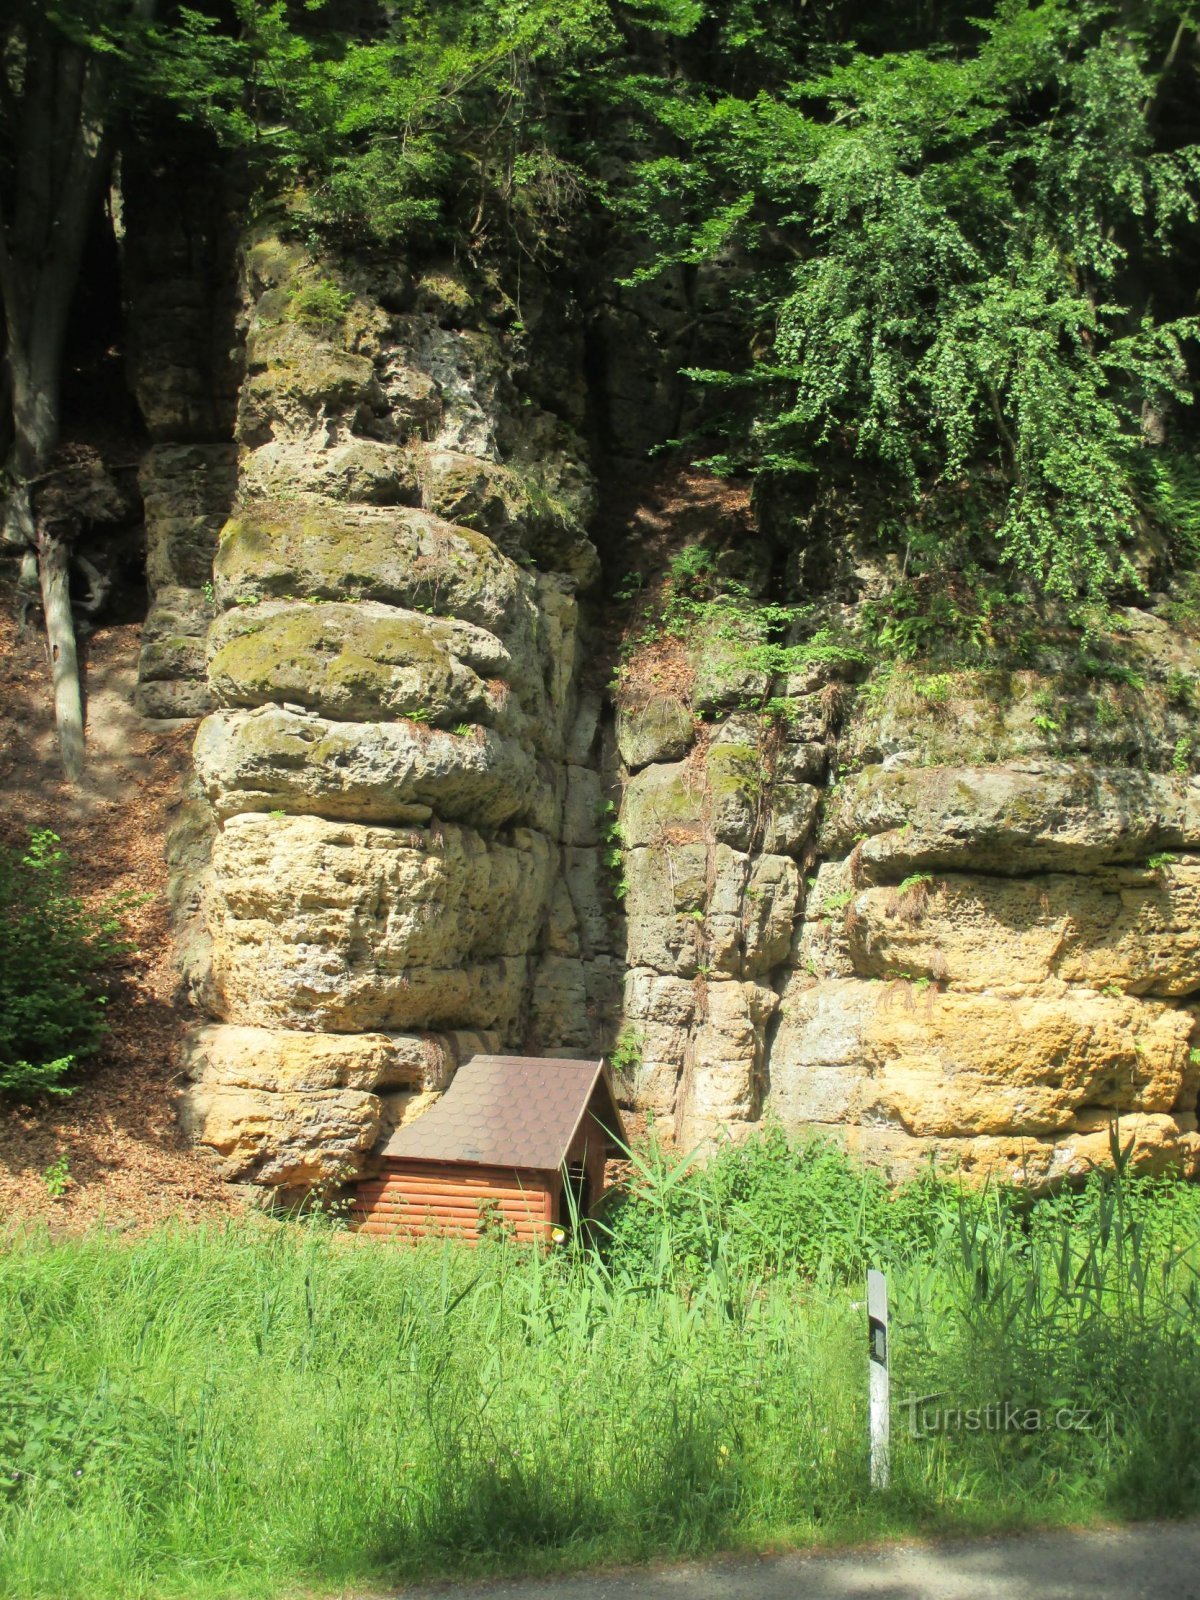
936, 689
52, 950
318, 304
626, 1054
57, 1177
1181, 688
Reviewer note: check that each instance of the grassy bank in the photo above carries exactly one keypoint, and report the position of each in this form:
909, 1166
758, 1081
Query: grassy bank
235, 1411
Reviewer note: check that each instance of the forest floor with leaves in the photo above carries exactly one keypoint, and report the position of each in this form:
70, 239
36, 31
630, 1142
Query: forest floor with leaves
127, 1162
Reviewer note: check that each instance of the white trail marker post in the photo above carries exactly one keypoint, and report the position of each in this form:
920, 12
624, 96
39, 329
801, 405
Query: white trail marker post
880, 1391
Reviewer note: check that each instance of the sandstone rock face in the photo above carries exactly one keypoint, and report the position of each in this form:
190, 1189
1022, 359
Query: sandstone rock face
1026, 816
275, 759
346, 928
661, 730
186, 490
1125, 928
712, 905
399, 557
297, 1110
948, 1065
992, 955
399, 840
953, 913
355, 663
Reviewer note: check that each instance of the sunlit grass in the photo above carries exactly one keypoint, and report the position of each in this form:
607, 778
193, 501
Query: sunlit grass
234, 1412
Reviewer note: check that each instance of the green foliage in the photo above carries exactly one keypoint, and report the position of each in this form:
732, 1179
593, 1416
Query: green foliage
446, 112
255, 1409
52, 952
914, 881
1171, 486
56, 1443
57, 1177
701, 601
956, 235
612, 851
626, 1054
770, 1202
1181, 689
318, 303
957, 617
969, 228
936, 689
1111, 671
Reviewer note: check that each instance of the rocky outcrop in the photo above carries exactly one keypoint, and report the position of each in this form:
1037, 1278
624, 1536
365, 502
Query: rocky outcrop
714, 891
186, 490
398, 767
302, 1110
996, 958
952, 913
948, 914
184, 366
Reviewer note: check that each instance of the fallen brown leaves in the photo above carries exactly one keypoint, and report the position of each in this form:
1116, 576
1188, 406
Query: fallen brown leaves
649, 517
128, 1162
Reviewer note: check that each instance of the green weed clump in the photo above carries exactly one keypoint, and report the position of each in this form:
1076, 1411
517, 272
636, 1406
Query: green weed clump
318, 304
243, 1411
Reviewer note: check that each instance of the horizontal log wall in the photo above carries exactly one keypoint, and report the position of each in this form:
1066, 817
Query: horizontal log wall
417, 1197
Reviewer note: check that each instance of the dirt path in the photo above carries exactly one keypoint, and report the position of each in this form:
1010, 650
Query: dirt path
127, 1158
1152, 1561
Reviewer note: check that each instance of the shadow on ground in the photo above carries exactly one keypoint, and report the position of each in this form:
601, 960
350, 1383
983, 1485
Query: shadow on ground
1152, 1561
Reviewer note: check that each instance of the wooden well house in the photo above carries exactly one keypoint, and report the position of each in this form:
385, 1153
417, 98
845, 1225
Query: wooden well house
499, 1148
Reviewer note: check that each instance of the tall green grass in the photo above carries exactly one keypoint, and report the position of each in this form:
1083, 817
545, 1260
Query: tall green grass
235, 1411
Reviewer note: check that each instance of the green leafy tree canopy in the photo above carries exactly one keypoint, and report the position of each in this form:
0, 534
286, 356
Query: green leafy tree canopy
956, 260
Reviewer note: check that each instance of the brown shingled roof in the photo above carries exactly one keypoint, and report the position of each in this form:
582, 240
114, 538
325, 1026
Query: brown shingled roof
509, 1111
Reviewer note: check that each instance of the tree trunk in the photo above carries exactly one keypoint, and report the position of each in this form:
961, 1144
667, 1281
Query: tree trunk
54, 570
34, 386
61, 158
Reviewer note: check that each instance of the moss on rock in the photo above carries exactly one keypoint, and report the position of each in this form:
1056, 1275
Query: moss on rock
395, 555
356, 662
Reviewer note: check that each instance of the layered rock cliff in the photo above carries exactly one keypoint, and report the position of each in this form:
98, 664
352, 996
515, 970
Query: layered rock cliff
947, 911
397, 766
992, 955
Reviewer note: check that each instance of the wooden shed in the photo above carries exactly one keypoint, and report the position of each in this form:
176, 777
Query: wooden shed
499, 1147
